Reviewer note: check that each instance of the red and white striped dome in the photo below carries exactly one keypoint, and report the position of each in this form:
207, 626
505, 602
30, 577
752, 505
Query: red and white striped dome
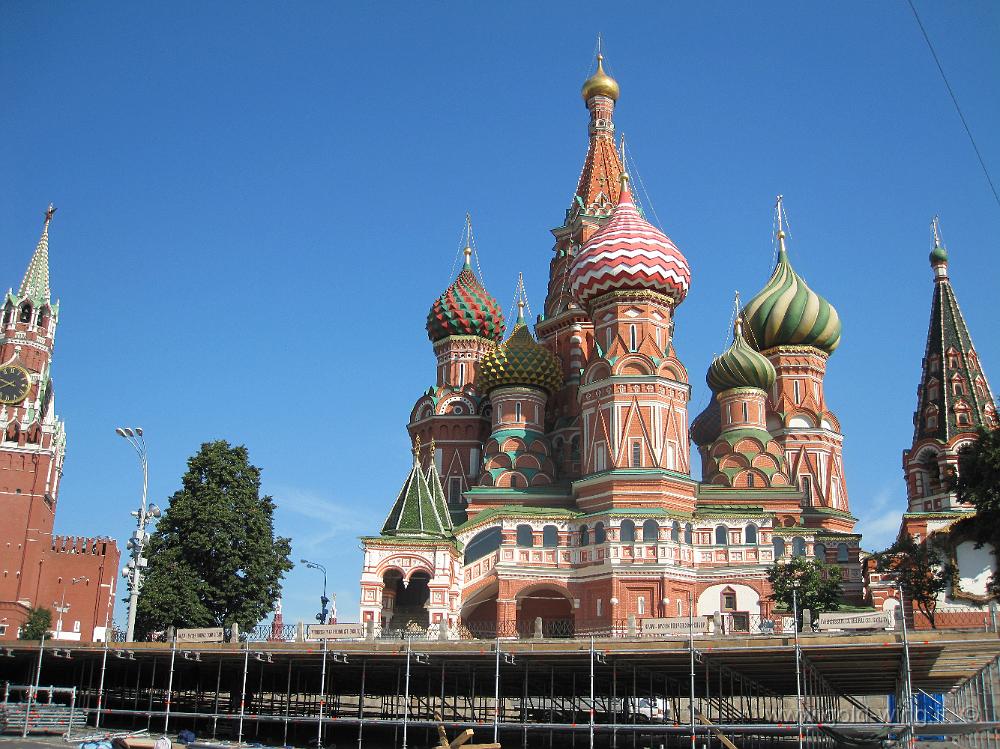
627, 254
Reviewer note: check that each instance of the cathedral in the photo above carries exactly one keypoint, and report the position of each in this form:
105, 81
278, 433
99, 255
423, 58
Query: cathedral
73, 577
552, 474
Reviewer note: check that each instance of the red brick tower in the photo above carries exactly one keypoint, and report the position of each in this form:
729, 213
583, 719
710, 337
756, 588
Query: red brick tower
565, 328
37, 568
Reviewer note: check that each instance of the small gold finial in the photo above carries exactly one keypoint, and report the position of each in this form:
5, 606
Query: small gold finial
468, 256
738, 323
430, 448
416, 449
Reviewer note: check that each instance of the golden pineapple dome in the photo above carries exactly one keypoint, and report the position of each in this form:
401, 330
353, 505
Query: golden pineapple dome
600, 83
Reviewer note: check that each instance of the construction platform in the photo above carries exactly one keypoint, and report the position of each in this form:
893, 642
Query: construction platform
830, 689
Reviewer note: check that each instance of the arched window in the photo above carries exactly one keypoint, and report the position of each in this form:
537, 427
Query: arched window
650, 530
482, 544
43, 317
550, 537
819, 551
584, 535
688, 534
574, 448
721, 535
524, 536
751, 533
25, 312
798, 546
517, 411
675, 532
779, 548
842, 552
627, 532
751, 479
600, 535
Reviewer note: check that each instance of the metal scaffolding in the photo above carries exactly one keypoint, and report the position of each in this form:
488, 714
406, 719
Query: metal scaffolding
824, 690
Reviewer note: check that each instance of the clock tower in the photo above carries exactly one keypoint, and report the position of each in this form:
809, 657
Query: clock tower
38, 569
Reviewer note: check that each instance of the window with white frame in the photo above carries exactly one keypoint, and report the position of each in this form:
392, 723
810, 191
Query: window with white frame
636, 454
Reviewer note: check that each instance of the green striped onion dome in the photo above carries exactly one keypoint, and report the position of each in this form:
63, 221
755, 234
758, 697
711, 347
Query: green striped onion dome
465, 308
787, 312
740, 366
938, 255
520, 361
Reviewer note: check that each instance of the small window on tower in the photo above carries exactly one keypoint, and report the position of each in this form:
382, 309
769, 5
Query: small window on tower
751, 480
807, 487
26, 313
795, 390
517, 411
455, 490
631, 338
640, 605
461, 374
636, 454
746, 415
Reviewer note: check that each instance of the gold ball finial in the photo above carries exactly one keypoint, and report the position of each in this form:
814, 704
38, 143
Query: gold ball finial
600, 83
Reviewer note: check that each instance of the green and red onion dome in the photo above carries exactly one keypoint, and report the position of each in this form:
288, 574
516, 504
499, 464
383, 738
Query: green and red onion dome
787, 312
520, 361
465, 308
740, 366
938, 255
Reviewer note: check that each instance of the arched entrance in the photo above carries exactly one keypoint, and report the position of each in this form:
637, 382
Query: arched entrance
550, 604
479, 613
404, 600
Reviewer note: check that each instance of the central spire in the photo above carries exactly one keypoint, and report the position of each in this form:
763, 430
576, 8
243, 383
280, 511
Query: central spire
35, 285
602, 168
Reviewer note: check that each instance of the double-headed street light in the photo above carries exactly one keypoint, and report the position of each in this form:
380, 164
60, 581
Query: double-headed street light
324, 612
132, 572
61, 607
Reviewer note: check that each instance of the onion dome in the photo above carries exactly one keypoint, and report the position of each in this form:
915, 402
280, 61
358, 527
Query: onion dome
740, 366
600, 83
939, 255
627, 254
519, 361
707, 425
787, 312
465, 308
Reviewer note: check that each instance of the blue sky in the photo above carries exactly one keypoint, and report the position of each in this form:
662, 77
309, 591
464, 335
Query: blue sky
258, 203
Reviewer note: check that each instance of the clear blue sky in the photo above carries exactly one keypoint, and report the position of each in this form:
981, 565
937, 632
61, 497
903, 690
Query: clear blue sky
258, 203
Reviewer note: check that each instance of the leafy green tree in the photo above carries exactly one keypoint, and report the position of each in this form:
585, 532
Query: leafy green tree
978, 479
214, 559
919, 570
818, 585
38, 624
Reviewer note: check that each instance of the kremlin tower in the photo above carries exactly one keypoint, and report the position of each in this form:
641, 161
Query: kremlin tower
558, 486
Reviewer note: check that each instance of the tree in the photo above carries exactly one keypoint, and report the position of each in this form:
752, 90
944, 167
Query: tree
38, 624
214, 559
818, 586
920, 572
978, 479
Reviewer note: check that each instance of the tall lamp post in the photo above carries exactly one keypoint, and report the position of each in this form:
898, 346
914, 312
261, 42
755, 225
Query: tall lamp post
62, 608
321, 616
132, 571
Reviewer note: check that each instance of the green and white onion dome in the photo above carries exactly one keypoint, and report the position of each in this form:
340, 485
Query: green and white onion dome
787, 312
740, 366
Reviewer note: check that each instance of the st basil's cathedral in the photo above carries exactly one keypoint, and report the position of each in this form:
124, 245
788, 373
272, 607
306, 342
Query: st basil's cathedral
551, 474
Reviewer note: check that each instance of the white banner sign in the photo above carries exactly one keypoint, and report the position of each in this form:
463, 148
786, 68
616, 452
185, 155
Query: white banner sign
870, 620
336, 631
674, 625
208, 634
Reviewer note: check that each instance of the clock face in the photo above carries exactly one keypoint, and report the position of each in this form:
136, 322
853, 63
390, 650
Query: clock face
14, 384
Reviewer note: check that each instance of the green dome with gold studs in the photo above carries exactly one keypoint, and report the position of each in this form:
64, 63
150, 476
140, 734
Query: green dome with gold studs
787, 312
740, 366
519, 361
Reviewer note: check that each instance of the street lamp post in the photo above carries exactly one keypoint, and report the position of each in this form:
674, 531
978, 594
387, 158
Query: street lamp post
321, 616
143, 517
798, 660
62, 608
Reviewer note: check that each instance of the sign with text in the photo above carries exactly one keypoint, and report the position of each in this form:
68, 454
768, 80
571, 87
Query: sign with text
206, 634
869, 620
336, 631
674, 625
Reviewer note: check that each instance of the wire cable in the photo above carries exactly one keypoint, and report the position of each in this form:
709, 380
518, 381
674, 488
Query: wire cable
954, 100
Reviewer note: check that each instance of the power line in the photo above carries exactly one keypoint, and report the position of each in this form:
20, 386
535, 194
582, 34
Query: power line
954, 100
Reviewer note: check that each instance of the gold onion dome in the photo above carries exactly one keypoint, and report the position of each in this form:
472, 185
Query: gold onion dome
740, 366
787, 312
600, 83
519, 361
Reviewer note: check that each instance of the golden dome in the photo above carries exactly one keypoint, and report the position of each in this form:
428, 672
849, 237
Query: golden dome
600, 84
